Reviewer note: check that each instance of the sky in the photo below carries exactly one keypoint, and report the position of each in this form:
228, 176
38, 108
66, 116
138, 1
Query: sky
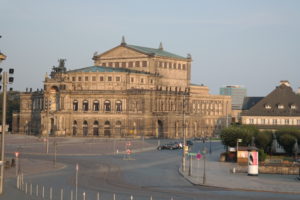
253, 43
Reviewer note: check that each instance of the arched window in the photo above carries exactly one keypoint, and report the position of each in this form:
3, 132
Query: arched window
75, 105
119, 106
85, 105
107, 107
96, 106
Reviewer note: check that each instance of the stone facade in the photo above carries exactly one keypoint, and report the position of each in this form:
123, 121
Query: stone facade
130, 91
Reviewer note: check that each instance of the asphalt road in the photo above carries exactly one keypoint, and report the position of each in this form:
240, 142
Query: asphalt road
142, 175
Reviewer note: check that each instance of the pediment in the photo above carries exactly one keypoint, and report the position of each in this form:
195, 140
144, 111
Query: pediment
121, 52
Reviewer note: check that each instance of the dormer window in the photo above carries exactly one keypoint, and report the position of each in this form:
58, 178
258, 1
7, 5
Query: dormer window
280, 106
293, 106
268, 107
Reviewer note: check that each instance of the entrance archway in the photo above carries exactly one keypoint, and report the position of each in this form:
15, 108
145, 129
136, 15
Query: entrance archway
96, 128
52, 128
85, 128
107, 131
160, 129
74, 128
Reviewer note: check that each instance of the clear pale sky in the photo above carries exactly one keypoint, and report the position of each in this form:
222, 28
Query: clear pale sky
254, 43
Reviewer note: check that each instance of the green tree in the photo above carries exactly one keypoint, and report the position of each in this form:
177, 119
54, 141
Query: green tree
287, 141
263, 140
13, 105
230, 135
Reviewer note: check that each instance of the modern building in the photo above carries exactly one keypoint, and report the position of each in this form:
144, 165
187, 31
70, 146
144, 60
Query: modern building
129, 91
280, 108
237, 94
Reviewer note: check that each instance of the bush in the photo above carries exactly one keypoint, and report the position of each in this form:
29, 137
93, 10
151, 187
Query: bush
261, 155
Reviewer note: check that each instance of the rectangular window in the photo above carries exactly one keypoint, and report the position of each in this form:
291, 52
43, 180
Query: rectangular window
109, 78
73, 78
160, 64
118, 79
79, 78
179, 66
86, 78
101, 78
174, 66
130, 64
298, 122
132, 80
117, 64
124, 64
94, 78
110, 64
286, 121
274, 121
144, 63
183, 66
165, 65
263, 121
170, 65
251, 121
137, 63
104, 64
142, 80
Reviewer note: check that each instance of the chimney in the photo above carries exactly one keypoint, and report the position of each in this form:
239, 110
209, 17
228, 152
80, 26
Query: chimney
285, 82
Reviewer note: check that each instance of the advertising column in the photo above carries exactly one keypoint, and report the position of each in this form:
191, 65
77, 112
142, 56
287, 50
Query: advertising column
253, 163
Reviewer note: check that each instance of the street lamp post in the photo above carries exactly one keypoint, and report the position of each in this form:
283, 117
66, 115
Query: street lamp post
5, 81
184, 139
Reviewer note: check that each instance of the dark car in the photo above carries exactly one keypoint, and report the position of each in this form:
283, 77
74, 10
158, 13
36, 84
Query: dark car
170, 146
189, 143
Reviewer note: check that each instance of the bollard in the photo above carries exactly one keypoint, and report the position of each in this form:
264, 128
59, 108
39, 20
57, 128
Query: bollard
25, 188
71, 194
131, 197
18, 182
37, 190
98, 196
83, 196
171, 198
43, 192
114, 197
50, 193
30, 188
61, 194
150, 197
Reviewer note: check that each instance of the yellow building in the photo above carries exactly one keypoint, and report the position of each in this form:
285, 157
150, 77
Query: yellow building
129, 91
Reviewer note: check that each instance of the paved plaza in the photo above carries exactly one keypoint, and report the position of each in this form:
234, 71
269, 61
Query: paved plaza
218, 174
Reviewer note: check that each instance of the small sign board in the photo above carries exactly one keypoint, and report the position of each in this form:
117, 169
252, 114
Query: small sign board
192, 154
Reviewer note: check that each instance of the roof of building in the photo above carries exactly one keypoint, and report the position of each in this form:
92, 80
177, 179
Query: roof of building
106, 69
282, 101
154, 52
250, 102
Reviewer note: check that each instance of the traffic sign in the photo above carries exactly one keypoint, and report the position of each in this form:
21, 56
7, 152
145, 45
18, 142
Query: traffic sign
199, 156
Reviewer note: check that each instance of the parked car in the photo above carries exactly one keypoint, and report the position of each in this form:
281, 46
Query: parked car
170, 146
189, 143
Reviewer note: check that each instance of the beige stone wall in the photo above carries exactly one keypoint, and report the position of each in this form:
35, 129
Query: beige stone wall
157, 102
